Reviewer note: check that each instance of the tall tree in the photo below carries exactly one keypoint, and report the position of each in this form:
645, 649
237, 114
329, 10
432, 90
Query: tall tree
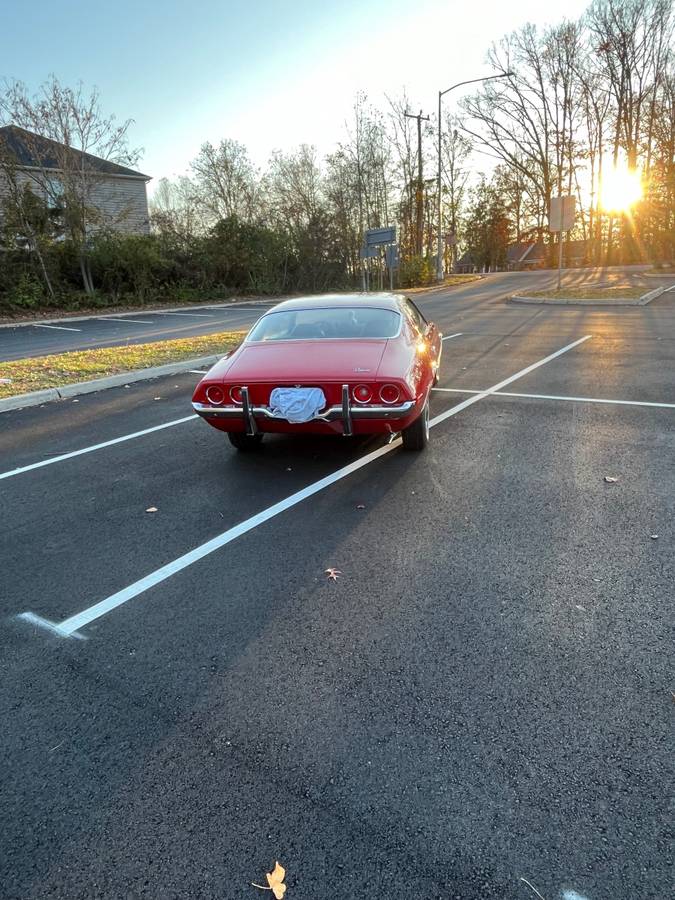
73, 120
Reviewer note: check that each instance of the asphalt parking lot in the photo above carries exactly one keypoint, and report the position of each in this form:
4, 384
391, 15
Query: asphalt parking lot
18, 341
483, 696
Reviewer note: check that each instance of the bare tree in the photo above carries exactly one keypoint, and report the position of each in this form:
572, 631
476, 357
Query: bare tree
455, 152
175, 209
67, 134
227, 182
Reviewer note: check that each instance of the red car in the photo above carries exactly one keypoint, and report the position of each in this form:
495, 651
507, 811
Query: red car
335, 364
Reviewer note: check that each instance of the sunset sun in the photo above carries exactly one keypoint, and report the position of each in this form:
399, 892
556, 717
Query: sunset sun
621, 188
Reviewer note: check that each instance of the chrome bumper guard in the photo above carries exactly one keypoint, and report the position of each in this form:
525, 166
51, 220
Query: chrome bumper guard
344, 413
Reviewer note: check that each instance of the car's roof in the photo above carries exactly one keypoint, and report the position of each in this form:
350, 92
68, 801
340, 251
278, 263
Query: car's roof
323, 301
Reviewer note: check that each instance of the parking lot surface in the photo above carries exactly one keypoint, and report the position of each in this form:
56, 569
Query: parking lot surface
483, 696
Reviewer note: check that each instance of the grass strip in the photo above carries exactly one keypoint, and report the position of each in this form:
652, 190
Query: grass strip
591, 293
37, 373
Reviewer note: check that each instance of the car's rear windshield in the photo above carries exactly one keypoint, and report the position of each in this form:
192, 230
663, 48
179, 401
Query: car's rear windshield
327, 322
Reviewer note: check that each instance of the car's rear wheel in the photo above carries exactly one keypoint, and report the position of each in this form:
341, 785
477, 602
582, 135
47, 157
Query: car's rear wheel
416, 436
244, 442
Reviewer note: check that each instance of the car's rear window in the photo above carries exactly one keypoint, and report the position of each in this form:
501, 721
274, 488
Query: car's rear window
328, 322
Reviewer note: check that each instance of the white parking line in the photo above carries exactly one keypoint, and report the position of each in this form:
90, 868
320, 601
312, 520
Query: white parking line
69, 627
193, 315
73, 453
133, 321
196, 372
446, 337
557, 397
497, 387
56, 327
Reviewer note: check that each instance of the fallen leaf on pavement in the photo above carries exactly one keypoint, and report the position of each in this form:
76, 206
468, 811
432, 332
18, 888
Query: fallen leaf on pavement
151, 509
275, 880
610, 479
654, 537
156, 398
333, 574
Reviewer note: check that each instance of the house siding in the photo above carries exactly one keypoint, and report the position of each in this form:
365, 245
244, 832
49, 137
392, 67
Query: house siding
121, 202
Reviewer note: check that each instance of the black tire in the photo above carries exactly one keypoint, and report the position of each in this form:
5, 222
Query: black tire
416, 436
245, 442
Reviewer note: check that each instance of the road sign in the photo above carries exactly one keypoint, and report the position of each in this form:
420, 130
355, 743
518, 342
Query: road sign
374, 236
561, 214
370, 252
391, 256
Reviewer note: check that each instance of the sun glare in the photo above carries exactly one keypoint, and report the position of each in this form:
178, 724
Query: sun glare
621, 188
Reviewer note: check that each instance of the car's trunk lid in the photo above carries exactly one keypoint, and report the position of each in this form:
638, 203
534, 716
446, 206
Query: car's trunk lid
307, 362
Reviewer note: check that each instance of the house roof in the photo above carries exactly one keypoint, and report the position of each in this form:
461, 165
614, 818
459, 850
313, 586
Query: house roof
34, 151
515, 253
466, 259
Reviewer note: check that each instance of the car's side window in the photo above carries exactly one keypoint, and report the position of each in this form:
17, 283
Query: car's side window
415, 316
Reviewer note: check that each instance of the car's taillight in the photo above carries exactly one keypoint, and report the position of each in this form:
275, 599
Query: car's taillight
389, 393
215, 394
362, 393
235, 394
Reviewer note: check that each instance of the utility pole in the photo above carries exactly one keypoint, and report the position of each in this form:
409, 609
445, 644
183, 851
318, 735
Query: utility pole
420, 182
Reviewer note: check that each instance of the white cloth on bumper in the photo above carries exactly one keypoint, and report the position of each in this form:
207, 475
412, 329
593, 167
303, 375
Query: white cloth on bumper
297, 404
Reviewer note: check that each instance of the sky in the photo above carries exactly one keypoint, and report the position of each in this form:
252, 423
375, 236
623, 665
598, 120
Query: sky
270, 73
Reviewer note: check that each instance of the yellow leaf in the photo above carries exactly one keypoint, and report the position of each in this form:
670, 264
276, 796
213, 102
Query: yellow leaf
275, 880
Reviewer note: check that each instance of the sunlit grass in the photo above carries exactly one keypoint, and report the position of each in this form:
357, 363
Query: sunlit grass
591, 293
42, 372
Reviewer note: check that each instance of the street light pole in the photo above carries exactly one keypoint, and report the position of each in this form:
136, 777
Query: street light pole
441, 94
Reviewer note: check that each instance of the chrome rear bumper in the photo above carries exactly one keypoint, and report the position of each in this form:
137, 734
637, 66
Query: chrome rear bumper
344, 412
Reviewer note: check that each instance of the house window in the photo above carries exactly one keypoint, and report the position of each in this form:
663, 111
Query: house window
55, 192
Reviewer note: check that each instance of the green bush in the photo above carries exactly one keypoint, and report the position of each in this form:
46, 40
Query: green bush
26, 293
416, 271
233, 257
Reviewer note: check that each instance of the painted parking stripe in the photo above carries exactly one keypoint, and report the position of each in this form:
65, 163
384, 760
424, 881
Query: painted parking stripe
133, 321
192, 315
83, 450
446, 337
70, 626
558, 397
497, 387
56, 327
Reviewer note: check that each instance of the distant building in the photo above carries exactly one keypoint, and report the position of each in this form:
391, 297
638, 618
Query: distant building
525, 255
118, 195
537, 255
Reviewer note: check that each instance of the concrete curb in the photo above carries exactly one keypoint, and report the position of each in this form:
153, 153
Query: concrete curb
35, 398
551, 301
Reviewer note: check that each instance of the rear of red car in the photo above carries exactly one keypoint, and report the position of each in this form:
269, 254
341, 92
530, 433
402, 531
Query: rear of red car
371, 382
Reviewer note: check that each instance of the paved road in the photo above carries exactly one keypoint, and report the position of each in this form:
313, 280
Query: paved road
483, 696
113, 329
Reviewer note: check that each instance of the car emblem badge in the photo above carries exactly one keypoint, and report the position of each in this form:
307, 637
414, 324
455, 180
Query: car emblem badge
359, 369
